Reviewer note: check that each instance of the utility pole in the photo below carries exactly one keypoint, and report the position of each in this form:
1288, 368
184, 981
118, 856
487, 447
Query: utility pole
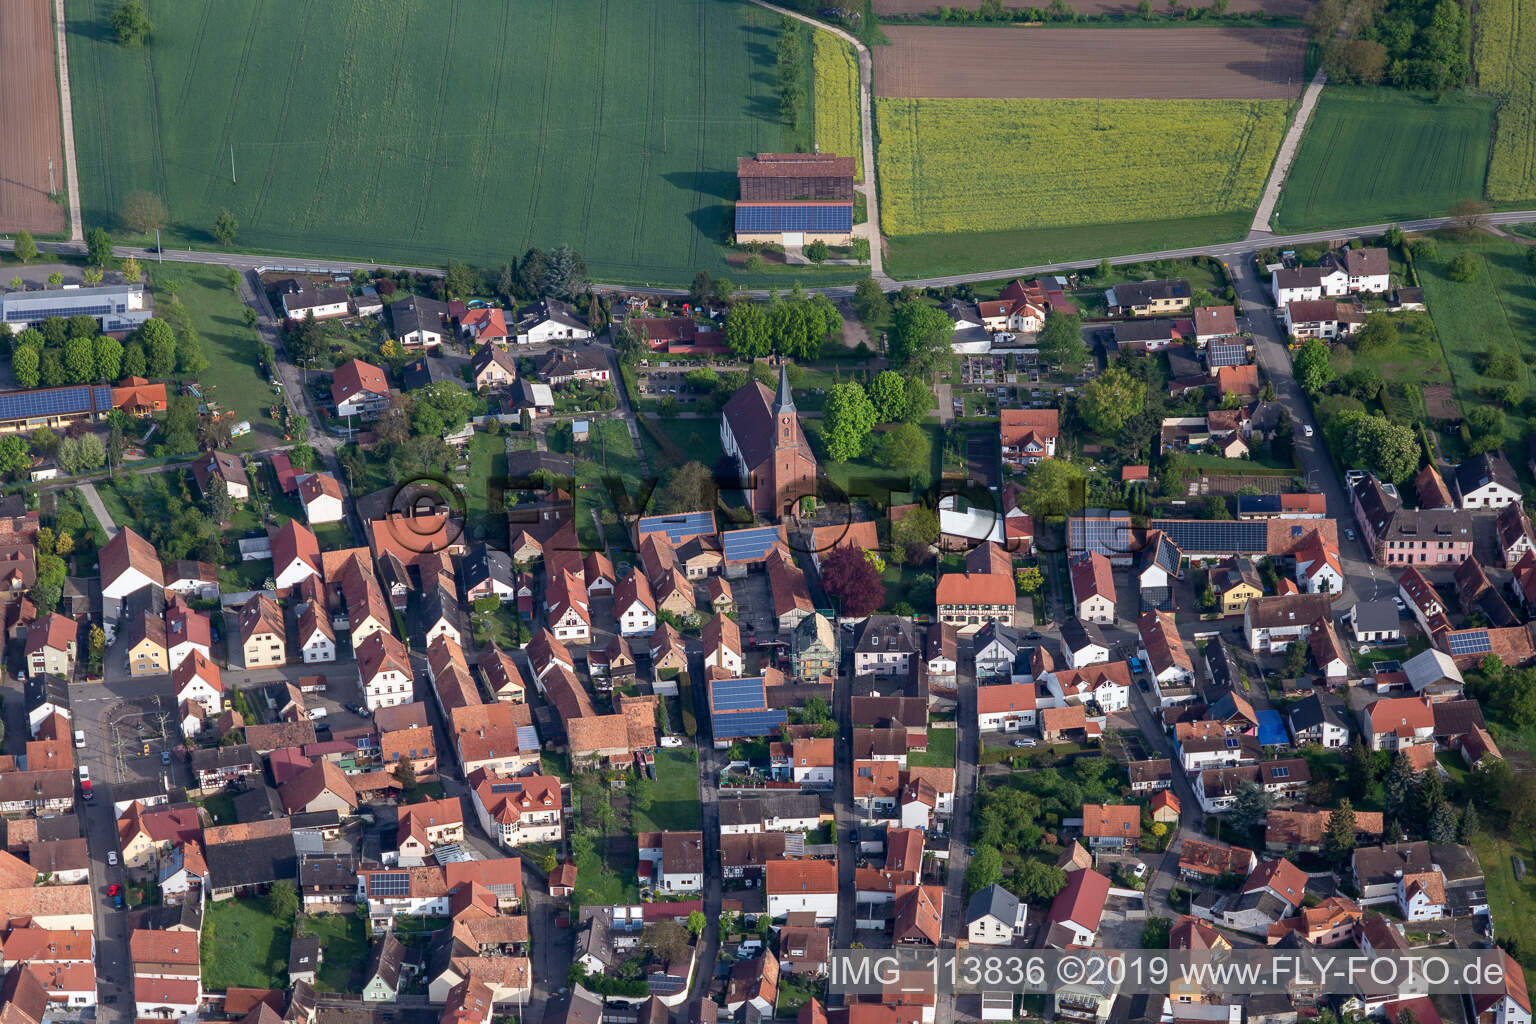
159, 249
663, 134
231, 163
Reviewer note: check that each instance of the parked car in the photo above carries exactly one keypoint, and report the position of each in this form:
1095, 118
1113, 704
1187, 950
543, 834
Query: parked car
1350, 533
1143, 684
165, 757
112, 858
79, 737
1026, 742
1141, 870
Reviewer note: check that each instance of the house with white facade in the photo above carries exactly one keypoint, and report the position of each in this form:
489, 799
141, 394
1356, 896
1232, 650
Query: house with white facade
517, 809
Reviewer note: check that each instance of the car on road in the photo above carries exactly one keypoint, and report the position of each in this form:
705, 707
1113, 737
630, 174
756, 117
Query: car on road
117, 903
1033, 635
165, 757
114, 889
1135, 663
1401, 606
1143, 684
1141, 870
1026, 742
85, 772
112, 858
79, 737
1349, 533
1306, 428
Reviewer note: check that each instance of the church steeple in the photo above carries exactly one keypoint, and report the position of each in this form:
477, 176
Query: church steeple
784, 402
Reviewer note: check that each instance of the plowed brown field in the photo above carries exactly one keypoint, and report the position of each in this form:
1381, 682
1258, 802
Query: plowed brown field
1283, 8
29, 119
1085, 63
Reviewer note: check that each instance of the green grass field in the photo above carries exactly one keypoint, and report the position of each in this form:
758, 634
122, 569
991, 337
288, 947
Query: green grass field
1372, 155
1069, 162
1496, 310
939, 255
416, 130
345, 947
675, 799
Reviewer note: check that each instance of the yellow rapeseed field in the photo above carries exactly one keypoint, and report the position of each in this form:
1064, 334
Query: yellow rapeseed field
837, 100
1507, 69
956, 165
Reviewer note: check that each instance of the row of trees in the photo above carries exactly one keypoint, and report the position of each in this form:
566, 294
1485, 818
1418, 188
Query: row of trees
789, 73
794, 326
1412, 44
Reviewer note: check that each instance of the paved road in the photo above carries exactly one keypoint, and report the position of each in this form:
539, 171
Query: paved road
66, 111
967, 750
710, 764
1287, 154
88, 490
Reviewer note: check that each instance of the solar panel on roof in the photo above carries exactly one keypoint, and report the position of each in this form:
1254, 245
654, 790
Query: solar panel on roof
678, 528
1227, 354
748, 723
738, 694
17, 405
1473, 642
836, 218
393, 883
1216, 535
750, 544
1108, 537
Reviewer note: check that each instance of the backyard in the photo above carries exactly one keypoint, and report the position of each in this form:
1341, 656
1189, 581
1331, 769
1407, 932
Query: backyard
675, 796
608, 453
941, 750
343, 950
243, 945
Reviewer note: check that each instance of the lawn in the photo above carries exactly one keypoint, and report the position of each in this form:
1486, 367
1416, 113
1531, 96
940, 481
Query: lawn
232, 379
1512, 903
1069, 162
1372, 155
221, 806
609, 452
941, 750
344, 946
244, 946
675, 803
1216, 464
416, 131
937, 255
1416, 360
1495, 310
487, 461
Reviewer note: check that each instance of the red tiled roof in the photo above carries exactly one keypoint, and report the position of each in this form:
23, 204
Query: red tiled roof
356, 376
962, 588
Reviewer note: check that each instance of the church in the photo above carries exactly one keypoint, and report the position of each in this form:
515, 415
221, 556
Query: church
761, 431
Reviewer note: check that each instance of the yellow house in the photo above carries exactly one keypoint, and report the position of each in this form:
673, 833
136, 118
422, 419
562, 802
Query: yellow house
1148, 298
147, 654
1235, 582
263, 637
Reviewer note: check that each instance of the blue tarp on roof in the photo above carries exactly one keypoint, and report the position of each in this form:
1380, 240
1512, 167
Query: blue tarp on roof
1272, 729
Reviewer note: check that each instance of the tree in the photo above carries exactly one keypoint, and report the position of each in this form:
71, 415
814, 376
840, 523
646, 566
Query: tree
915, 532
225, 228
55, 278
82, 454
565, 274
283, 900
1443, 823
666, 940
97, 642
722, 291
889, 393
79, 360
696, 922
1339, 838
143, 212
1389, 449
1463, 268
699, 292
1470, 215
690, 488
98, 247
92, 275
460, 280
1052, 487
919, 400
25, 364
904, 449
221, 509
1061, 341
130, 22
1470, 825
985, 869
849, 578
746, 331
26, 247
817, 251
1110, 399
847, 419
1039, 882
48, 586
1249, 809
131, 270
869, 302
1028, 580
135, 364
1397, 788
14, 456
920, 337
159, 343
1379, 332
1313, 369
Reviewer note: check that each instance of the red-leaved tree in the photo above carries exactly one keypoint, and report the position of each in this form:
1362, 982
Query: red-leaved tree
850, 578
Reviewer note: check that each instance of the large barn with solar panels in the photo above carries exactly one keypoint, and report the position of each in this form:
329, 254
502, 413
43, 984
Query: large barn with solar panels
795, 198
